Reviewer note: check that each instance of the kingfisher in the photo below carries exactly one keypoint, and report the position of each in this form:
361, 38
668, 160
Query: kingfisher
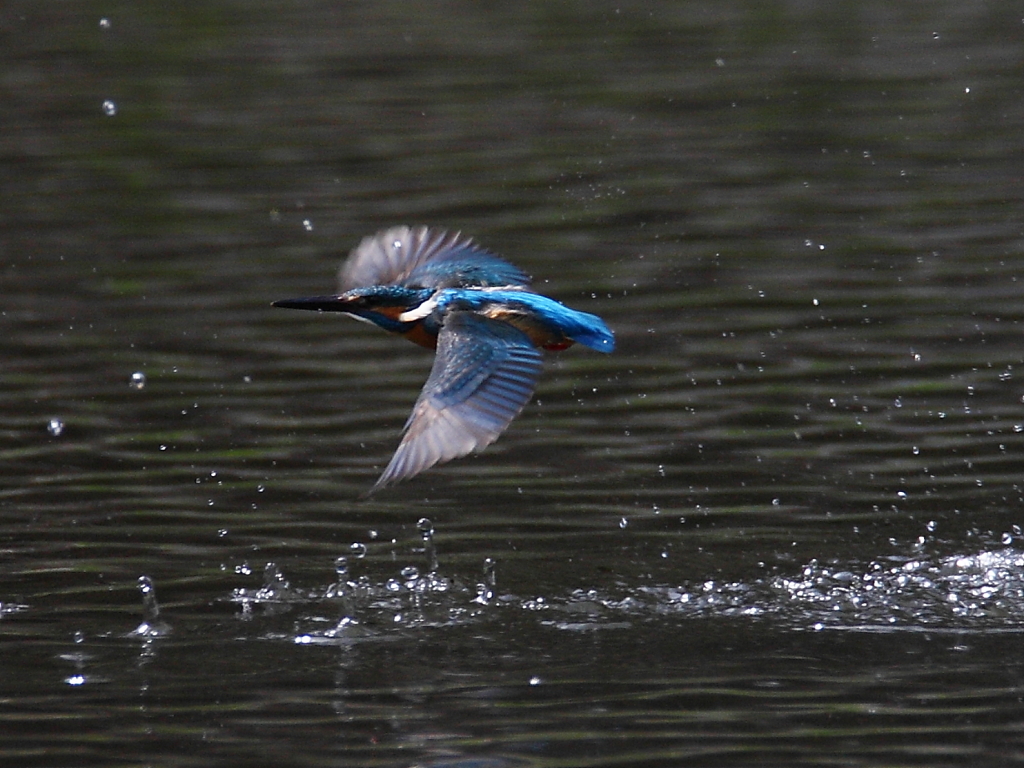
442, 291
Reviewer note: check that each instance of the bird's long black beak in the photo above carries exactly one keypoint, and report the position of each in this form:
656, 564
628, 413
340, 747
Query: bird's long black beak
320, 303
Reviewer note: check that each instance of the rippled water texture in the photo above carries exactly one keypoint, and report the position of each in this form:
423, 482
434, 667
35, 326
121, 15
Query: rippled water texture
780, 525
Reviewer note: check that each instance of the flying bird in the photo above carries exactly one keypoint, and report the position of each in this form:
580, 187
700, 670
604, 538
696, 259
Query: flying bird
441, 291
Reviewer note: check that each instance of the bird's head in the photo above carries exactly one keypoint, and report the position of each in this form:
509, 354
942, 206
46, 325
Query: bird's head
380, 304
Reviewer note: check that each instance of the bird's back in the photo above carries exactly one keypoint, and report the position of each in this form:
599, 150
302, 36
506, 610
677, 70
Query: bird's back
548, 323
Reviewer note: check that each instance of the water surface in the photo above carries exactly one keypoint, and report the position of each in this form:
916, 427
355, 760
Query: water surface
781, 525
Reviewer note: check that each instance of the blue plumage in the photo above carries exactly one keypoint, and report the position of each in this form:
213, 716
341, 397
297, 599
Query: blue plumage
440, 290
532, 309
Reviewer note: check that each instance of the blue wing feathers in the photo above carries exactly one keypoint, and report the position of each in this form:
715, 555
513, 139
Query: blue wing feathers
583, 327
425, 258
484, 374
460, 269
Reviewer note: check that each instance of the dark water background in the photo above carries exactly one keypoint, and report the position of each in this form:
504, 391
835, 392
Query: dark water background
779, 526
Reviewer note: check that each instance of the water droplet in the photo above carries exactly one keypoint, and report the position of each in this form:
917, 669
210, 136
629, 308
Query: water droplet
916, 451
623, 523
260, 488
485, 590
104, 23
358, 550
341, 568
935, 35
307, 225
274, 580
483, 595
901, 494
55, 427
137, 380
426, 529
109, 108
151, 626
535, 680
1007, 538
931, 526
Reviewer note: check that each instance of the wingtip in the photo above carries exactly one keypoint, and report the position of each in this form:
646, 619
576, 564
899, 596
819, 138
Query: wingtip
382, 482
387, 478
366, 495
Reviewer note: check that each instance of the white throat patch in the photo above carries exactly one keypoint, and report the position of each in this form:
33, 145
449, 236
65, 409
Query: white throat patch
418, 313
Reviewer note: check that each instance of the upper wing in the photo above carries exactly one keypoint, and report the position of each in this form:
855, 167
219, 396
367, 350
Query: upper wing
426, 258
484, 374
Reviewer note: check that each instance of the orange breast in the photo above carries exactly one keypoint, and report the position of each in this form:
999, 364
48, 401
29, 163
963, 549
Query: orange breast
419, 336
557, 346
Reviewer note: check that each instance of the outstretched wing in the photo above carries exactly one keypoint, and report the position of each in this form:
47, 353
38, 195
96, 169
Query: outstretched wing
484, 374
425, 258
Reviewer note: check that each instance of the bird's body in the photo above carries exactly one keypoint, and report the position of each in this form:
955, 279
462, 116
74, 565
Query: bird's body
441, 291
